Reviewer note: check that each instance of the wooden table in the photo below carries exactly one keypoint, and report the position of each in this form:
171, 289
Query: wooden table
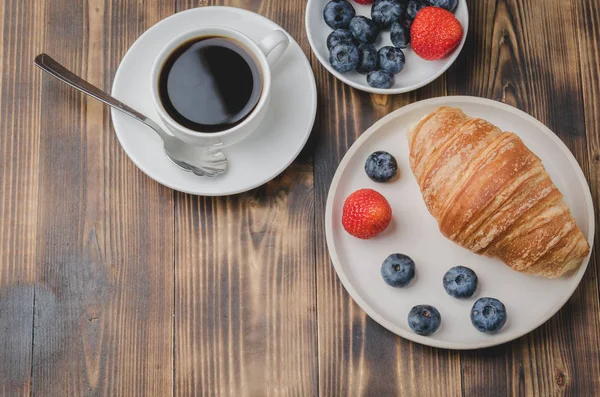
112, 285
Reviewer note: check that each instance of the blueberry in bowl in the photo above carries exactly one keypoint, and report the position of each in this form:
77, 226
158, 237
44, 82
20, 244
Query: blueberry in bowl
364, 30
367, 58
339, 36
398, 270
338, 14
391, 59
344, 57
488, 315
400, 34
424, 319
413, 7
381, 167
381, 79
460, 282
449, 5
385, 12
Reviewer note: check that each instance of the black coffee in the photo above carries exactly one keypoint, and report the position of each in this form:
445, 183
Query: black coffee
210, 84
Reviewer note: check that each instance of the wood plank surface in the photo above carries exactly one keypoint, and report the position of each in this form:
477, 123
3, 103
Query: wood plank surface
587, 299
21, 37
111, 284
103, 320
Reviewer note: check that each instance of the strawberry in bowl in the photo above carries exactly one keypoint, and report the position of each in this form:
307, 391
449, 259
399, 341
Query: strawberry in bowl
435, 33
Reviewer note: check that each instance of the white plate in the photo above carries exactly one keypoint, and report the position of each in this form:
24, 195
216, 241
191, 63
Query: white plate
253, 162
529, 300
417, 71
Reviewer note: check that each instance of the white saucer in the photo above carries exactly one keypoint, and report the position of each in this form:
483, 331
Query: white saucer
530, 301
253, 162
417, 71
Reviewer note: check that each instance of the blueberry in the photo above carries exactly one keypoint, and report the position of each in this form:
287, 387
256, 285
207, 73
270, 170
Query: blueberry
339, 36
367, 58
385, 12
381, 167
344, 57
363, 29
460, 282
391, 59
414, 6
338, 14
449, 5
424, 319
398, 270
381, 79
488, 315
400, 34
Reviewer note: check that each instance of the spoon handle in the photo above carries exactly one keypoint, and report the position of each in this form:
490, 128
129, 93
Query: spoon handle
49, 65
209, 162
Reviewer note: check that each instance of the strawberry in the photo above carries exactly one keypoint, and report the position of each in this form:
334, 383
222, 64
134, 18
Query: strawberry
434, 33
366, 213
364, 2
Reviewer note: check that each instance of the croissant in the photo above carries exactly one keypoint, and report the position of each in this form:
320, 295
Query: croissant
490, 194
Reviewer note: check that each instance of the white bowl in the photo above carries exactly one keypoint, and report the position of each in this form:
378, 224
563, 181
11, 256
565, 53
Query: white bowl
417, 71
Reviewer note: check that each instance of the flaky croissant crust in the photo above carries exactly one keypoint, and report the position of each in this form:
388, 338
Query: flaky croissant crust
492, 195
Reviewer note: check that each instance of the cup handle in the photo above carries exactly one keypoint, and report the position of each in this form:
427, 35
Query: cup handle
274, 45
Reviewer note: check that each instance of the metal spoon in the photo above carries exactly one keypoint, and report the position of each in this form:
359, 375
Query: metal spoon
201, 161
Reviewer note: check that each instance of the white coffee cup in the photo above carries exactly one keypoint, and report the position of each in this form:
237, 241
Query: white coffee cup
266, 53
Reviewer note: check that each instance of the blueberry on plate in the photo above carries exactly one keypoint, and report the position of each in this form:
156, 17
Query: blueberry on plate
449, 5
338, 14
424, 319
400, 34
363, 29
488, 315
398, 270
344, 57
339, 36
385, 12
413, 7
381, 166
367, 58
391, 59
381, 79
460, 282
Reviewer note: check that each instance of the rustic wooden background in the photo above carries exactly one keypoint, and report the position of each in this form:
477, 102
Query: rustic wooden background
112, 285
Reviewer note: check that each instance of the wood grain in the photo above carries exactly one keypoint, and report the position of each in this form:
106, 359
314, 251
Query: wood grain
245, 310
111, 284
21, 37
587, 330
104, 296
